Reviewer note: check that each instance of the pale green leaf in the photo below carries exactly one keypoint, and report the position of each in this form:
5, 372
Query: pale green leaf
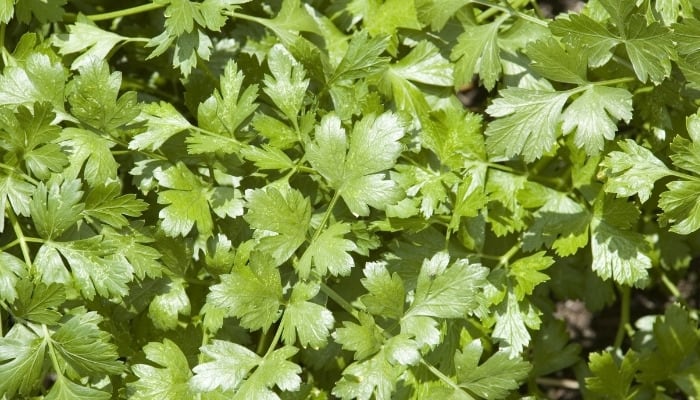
593, 116
649, 48
561, 64
186, 201
634, 170
56, 206
169, 380
329, 253
286, 86
163, 121
364, 339
309, 321
268, 157
22, 361
274, 370
447, 292
680, 205
14, 192
580, 30
64, 389
527, 123
89, 40
356, 168
425, 64
85, 348
495, 378
11, 270
90, 154
371, 378
227, 366
511, 327
386, 295
39, 79
526, 273
252, 293
477, 52
104, 204
282, 212
170, 302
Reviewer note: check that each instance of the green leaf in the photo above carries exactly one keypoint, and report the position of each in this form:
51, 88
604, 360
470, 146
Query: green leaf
649, 48
7, 10
95, 101
580, 30
43, 11
186, 200
511, 325
268, 157
527, 123
252, 293
134, 248
274, 370
95, 268
38, 79
371, 378
425, 64
455, 136
88, 39
227, 108
594, 115
561, 64
163, 121
611, 377
170, 302
14, 192
362, 58
386, 17
553, 350
36, 302
634, 170
169, 380
286, 86
284, 214
12, 269
618, 252
495, 378
444, 292
90, 154
386, 295
85, 348
364, 339
526, 273
680, 206
308, 321
64, 389
22, 358
329, 253
227, 366
29, 136
477, 52
356, 169
56, 207
104, 204
559, 223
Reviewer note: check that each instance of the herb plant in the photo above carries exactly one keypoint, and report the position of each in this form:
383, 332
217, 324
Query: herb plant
235, 199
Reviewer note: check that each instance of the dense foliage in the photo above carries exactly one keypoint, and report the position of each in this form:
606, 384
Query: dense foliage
235, 199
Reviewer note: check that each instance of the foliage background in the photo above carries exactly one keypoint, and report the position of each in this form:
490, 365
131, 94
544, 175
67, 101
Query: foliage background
285, 199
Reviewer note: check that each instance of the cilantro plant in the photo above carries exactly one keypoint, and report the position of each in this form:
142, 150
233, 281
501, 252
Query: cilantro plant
235, 199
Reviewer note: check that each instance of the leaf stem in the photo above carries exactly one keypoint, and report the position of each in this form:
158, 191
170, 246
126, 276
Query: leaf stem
624, 316
504, 260
510, 10
3, 51
275, 341
671, 287
52, 352
23, 175
119, 13
446, 379
20, 237
326, 216
344, 304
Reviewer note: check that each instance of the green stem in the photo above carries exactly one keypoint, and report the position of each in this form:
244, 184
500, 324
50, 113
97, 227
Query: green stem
683, 175
446, 379
20, 237
52, 352
670, 286
510, 10
3, 51
126, 12
624, 316
275, 341
504, 260
344, 304
14, 170
326, 216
